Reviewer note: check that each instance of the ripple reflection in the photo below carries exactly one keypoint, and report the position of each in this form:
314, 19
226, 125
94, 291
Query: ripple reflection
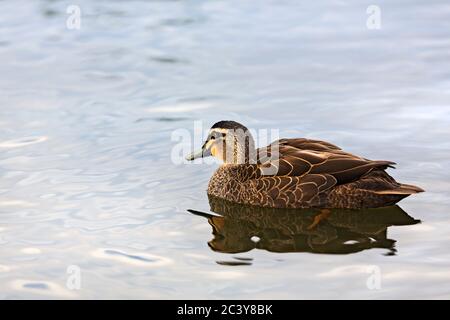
135, 259
336, 231
22, 142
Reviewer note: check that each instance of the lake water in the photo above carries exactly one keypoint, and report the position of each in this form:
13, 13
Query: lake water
87, 180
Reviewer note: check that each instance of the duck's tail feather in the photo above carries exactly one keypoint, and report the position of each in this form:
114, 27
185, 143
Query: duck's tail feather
383, 164
382, 190
404, 189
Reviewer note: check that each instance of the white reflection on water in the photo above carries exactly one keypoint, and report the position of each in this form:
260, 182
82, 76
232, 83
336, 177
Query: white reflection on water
21, 142
86, 118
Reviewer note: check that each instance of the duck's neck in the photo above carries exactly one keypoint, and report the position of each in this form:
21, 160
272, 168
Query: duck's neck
241, 152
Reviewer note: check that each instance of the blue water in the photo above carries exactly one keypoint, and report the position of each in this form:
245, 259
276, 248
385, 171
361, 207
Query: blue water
87, 117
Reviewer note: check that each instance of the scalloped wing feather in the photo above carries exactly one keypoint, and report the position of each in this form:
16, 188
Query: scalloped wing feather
301, 157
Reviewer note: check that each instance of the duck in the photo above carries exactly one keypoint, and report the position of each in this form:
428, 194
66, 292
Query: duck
295, 173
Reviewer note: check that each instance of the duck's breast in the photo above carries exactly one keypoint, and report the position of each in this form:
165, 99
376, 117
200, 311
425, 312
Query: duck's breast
227, 183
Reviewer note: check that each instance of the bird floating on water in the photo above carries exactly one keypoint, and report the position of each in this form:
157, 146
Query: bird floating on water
296, 173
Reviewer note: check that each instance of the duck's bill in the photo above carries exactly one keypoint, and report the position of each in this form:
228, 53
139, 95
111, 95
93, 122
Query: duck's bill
199, 154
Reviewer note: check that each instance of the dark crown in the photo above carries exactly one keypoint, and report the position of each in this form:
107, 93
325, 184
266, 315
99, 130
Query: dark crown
229, 124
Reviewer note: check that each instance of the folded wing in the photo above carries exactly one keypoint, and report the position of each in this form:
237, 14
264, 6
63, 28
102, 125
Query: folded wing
300, 169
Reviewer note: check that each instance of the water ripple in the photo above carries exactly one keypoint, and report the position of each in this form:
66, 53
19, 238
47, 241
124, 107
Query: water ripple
45, 288
22, 142
140, 259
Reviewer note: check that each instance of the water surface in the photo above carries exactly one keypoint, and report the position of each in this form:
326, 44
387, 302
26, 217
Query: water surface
86, 123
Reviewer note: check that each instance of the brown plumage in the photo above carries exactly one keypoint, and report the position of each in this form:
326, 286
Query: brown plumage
299, 173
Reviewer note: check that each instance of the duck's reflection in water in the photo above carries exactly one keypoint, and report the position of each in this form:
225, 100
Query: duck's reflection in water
241, 228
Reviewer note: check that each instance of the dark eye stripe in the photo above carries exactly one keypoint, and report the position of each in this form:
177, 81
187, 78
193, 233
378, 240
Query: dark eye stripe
216, 135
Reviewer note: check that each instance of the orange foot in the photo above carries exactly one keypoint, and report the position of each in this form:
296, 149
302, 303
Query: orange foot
324, 213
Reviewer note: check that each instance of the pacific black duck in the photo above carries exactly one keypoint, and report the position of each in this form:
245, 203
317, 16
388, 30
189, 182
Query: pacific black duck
296, 173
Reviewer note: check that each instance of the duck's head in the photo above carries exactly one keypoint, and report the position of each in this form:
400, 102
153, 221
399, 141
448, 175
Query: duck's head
228, 141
